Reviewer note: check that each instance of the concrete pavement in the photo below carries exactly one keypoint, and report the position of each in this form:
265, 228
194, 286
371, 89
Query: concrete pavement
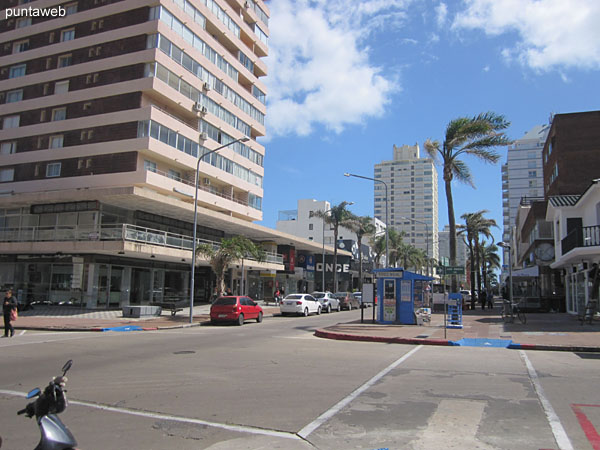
543, 331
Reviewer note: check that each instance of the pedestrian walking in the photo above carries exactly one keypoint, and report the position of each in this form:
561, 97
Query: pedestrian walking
483, 299
490, 300
9, 309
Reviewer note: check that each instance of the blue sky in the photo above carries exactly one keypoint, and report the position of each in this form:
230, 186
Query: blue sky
349, 79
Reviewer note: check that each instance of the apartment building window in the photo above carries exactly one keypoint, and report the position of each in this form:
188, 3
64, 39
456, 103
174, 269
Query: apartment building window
8, 148
17, 71
53, 170
21, 46
532, 174
310, 226
56, 141
173, 174
64, 60
59, 114
61, 87
23, 22
71, 8
67, 35
7, 175
150, 165
14, 96
11, 122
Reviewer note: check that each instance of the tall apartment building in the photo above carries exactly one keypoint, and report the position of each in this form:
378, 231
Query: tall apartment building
103, 115
522, 175
412, 185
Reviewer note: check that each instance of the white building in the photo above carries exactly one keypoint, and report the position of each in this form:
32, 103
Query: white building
413, 197
576, 222
522, 176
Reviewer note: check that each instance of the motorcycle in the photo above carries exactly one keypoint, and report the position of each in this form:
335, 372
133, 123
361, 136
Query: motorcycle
53, 401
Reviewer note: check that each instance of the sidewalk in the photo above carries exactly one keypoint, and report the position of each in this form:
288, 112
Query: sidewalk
543, 331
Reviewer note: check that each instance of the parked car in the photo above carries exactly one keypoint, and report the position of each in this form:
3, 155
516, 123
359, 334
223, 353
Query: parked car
328, 301
347, 300
466, 298
304, 304
358, 296
235, 308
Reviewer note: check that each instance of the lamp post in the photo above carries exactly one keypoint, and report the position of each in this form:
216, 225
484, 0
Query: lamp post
510, 292
323, 241
426, 237
200, 158
387, 260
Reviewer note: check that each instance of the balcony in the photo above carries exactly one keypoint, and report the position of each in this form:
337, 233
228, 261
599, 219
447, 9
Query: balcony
118, 232
581, 237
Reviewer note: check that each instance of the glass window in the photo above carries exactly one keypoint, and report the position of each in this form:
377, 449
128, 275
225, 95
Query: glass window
8, 148
60, 87
59, 114
71, 8
67, 35
17, 71
150, 165
174, 174
53, 170
64, 60
7, 175
10, 122
21, 46
56, 141
23, 22
14, 96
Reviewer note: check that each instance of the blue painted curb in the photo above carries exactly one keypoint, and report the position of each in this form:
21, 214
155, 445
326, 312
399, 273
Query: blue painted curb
483, 342
125, 328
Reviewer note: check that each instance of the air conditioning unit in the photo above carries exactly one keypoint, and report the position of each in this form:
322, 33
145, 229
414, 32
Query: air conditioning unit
206, 87
206, 181
204, 136
203, 110
247, 5
197, 107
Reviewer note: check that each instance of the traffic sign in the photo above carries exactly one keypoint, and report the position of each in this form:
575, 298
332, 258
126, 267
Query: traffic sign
455, 270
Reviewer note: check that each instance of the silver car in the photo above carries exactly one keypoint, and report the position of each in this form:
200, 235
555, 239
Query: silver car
328, 301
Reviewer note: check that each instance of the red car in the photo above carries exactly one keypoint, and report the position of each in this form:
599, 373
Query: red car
235, 309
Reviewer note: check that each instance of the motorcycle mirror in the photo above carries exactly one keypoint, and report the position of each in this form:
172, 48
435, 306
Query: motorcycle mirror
67, 366
34, 393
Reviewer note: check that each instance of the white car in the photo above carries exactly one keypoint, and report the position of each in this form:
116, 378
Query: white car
303, 304
328, 301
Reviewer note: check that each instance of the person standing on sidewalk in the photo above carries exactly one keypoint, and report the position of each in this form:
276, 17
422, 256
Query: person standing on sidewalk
483, 299
8, 306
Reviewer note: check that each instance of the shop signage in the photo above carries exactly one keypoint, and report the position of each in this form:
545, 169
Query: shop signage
395, 274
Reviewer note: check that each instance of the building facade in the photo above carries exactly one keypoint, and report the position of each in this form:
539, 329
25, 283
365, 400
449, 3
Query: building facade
412, 203
104, 114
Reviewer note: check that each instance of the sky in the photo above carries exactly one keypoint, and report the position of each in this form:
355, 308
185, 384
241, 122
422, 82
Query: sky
349, 79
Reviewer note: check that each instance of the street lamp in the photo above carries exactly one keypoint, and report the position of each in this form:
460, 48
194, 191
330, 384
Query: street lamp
426, 237
323, 241
387, 260
510, 292
200, 158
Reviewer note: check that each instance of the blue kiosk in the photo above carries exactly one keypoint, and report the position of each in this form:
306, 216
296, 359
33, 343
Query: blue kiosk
400, 294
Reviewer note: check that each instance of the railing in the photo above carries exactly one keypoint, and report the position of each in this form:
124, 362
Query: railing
581, 237
200, 187
120, 232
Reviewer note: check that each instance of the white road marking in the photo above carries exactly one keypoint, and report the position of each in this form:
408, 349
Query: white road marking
133, 412
22, 332
560, 435
453, 425
308, 429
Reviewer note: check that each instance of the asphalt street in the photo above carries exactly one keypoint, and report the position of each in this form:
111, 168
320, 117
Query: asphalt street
274, 385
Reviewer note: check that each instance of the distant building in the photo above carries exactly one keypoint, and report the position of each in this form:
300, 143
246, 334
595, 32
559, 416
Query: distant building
412, 197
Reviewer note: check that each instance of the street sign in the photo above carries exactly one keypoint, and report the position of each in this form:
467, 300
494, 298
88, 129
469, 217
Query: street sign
455, 270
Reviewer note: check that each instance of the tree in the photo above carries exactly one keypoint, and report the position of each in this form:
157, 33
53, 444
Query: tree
489, 261
475, 225
362, 226
476, 136
231, 250
396, 245
378, 246
338, 217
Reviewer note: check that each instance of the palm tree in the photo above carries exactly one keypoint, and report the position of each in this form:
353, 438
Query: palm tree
338, 216
231, 250
411, 256
489, 261
362, 226
475, 224
396, 246
378, 246
476, 136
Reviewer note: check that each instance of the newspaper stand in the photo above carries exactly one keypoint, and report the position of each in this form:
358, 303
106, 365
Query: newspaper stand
454, 311
401, 298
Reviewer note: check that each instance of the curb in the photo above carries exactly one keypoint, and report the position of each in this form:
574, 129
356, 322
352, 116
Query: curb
447, 343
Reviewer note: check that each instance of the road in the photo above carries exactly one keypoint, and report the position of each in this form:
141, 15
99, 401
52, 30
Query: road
274, 385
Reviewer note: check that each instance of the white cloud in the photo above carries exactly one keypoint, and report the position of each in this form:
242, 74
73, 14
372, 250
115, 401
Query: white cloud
553, 34
319, 67
441, 12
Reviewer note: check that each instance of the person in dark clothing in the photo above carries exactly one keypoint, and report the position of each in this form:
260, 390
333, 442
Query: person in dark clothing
483, 299
8, 305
